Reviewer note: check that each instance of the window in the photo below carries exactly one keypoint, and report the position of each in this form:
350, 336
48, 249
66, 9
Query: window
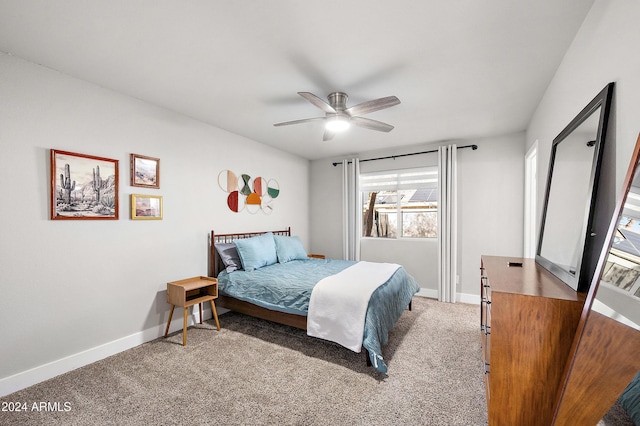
400, 204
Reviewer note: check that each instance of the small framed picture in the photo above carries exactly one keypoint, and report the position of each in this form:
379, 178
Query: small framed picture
83, 187
146, 207
145, 171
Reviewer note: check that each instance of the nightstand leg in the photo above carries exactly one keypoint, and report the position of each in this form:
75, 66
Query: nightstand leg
184, 328
215, 314
166, 330
200, 306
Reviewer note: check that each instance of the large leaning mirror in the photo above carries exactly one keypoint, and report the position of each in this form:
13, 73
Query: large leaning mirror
566, 224
603, 370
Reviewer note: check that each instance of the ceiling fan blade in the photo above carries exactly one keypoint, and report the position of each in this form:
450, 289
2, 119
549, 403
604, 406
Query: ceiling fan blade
304, 120
368, 123
317, 102
374, 105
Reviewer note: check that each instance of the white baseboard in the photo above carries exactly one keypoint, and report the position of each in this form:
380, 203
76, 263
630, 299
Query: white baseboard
473, 299
52, 369
427, 292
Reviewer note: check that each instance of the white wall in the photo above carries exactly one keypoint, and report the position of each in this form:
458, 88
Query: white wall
418, 256
490, 218
490, 204
82, 289
602, 52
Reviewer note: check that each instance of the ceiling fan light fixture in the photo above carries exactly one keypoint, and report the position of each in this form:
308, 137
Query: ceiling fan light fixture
337, 124
338, 117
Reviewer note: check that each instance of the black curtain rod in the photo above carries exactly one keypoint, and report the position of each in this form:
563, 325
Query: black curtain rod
473, 147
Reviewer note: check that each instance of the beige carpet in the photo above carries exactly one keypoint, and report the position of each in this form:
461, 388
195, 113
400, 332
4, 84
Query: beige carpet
255, 372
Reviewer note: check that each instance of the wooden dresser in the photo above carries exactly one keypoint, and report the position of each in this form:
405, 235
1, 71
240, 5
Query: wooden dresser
528, 319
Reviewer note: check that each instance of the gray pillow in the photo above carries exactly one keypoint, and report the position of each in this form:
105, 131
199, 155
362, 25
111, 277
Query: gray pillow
229, 255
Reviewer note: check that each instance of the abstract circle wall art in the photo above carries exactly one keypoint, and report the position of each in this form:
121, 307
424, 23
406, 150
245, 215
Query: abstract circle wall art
273, 188
228, 181
253, 194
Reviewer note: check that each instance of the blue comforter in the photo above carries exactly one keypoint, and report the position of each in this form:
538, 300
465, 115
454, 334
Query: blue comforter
287, 287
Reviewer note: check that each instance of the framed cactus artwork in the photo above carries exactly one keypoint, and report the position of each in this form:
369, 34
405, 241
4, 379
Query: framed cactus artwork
83, 187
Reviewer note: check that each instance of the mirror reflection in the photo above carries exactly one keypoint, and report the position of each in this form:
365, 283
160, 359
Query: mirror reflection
569, 196
618, 294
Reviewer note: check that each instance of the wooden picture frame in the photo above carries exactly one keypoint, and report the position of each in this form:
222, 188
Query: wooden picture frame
146, 207
83, 187
145, 171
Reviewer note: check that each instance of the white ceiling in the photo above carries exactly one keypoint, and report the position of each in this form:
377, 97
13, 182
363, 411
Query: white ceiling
462, 69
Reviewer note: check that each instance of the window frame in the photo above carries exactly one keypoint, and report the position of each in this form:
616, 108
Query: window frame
398, 185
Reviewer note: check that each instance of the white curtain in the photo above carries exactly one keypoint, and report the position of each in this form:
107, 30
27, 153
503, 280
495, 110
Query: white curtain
447, 223
351, 209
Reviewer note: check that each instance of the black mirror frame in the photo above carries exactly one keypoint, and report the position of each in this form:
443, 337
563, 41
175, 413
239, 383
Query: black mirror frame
580, 281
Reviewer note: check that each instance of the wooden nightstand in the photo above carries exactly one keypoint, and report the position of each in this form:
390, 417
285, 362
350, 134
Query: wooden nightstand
188, 292
316, 256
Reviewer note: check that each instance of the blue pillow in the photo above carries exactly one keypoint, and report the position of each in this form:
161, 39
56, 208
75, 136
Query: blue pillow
289, 248
256, 252
229, 255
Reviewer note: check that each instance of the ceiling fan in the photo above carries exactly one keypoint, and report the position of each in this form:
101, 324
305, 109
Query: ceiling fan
338, 117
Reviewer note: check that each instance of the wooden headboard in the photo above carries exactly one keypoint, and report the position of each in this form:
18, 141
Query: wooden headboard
215, 263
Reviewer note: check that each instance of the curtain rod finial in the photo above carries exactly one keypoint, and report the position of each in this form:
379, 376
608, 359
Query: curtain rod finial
474, 147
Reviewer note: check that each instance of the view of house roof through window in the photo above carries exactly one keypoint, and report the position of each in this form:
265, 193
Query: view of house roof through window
400, 203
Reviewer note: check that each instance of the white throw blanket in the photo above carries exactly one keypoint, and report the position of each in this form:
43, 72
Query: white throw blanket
338, 303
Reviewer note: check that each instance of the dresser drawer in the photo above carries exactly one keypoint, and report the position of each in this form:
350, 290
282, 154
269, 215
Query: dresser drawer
527, 322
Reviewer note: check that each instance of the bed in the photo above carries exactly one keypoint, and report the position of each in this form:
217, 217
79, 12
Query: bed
281, 291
